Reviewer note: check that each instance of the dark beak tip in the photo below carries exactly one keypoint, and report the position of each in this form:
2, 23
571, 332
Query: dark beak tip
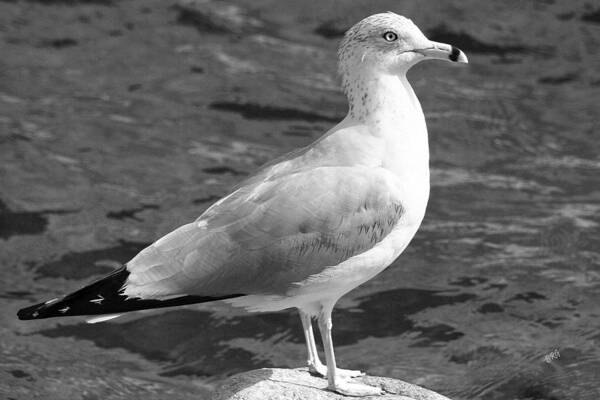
454, 54
458, 56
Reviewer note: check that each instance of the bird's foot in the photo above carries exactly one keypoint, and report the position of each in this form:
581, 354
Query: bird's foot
354, 389
321, 370
348, 373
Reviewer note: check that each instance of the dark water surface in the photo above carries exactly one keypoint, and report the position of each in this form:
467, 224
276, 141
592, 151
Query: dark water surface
120, 120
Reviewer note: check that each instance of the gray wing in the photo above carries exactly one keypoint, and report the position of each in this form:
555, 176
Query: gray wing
271, 234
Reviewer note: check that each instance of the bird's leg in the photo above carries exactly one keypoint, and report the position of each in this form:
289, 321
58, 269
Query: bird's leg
315, 366
335, 381
314, 363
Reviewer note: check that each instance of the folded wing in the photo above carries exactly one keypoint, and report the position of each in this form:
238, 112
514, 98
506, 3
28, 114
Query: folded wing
271, 234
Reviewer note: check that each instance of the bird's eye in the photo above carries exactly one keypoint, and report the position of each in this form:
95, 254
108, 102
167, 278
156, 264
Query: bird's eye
390, 36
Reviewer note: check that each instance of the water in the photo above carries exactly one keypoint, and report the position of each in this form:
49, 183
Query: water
122, 120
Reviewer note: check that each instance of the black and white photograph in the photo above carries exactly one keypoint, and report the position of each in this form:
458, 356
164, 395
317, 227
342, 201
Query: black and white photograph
299, 200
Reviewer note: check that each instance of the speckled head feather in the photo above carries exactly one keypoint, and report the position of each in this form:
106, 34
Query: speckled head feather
380, 45
364, 45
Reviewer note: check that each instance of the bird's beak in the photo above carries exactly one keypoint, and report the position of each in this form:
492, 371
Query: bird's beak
443, 51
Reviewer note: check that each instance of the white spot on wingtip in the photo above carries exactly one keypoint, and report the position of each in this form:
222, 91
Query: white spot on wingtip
98, 301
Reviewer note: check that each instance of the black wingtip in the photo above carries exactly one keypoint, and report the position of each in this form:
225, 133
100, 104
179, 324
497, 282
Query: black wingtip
77, 303
105, 296
30, 312
48, 309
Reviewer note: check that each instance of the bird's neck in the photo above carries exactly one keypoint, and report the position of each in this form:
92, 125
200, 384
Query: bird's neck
387, 107
373, 95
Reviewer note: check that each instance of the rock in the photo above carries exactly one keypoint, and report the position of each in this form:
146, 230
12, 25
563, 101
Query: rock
298, 384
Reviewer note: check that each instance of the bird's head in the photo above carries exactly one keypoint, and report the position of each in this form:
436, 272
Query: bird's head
391, 43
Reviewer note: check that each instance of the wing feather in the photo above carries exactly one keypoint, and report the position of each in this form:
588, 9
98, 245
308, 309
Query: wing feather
272, 233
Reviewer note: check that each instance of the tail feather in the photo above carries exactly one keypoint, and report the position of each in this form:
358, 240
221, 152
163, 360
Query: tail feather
105, 296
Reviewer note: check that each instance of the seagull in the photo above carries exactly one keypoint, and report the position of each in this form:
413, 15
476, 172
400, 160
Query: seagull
310, 226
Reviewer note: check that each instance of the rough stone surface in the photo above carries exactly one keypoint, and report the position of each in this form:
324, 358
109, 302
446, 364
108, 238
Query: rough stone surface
298, 384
